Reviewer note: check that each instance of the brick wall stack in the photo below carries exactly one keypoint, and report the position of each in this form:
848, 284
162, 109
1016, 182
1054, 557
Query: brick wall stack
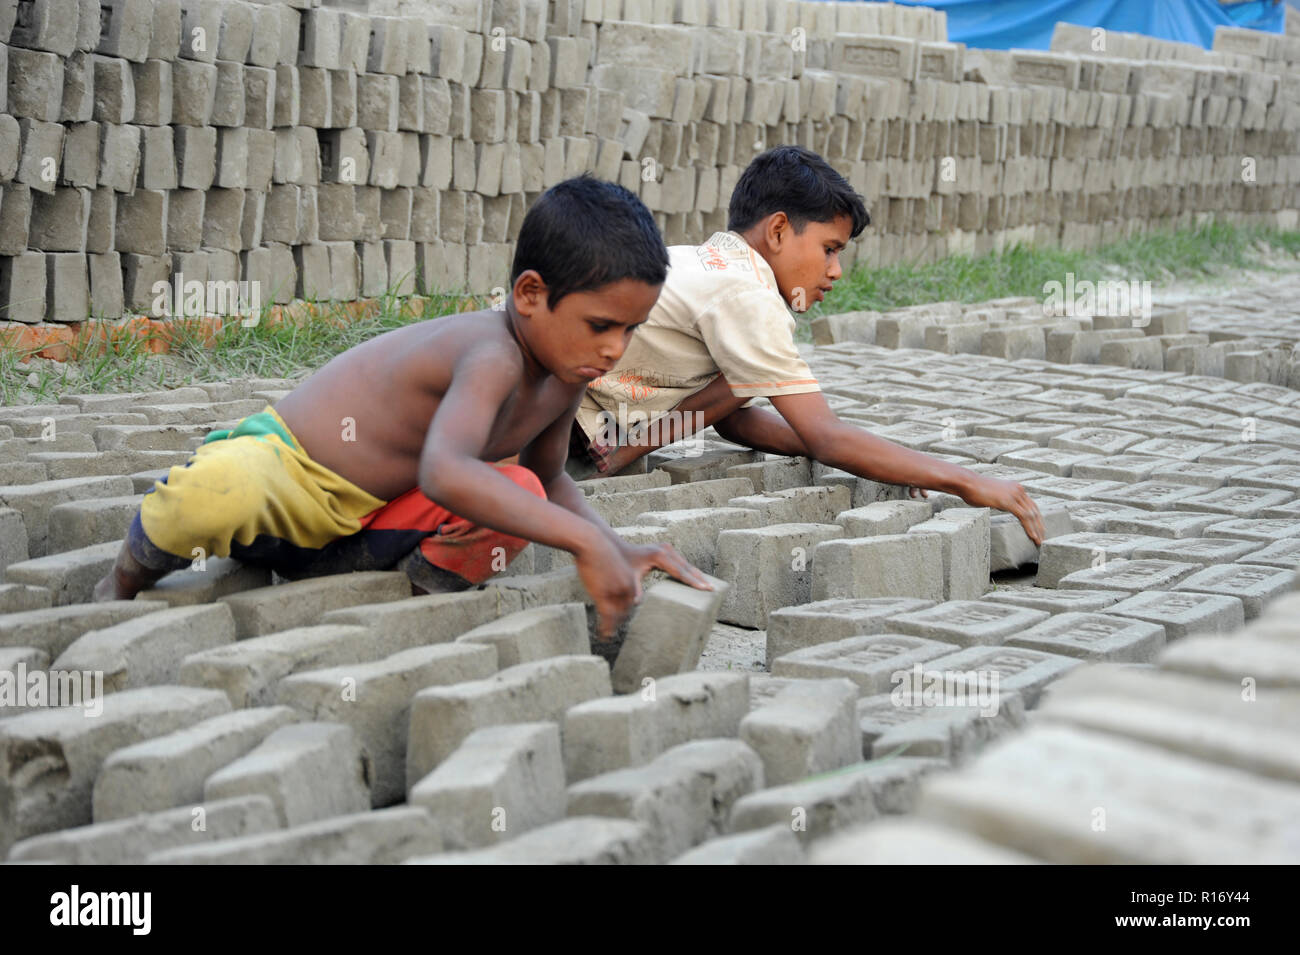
336, 152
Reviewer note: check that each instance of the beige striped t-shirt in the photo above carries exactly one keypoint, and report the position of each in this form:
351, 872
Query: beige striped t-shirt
720, 312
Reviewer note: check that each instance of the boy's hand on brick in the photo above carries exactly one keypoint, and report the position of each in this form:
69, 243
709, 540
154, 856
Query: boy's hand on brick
612, 575
1008, 496
614, 585
647, 557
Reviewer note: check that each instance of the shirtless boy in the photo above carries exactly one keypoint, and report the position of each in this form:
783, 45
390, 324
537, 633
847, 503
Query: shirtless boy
383, 458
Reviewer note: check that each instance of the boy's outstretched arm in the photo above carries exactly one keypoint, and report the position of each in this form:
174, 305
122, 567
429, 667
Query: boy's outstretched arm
453, 474
814, 431
856, 450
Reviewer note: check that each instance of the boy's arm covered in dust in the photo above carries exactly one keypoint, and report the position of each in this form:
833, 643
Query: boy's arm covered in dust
453, 473
813, 430
858, 451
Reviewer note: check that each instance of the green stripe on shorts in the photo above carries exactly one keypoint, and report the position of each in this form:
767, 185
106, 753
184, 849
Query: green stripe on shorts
260, 425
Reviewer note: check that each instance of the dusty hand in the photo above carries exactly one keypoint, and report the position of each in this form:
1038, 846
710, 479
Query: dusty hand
645, 557
614, 585
1009, 496
616, 460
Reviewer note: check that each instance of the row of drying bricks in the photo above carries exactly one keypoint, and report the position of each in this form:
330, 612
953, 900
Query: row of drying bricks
133, 654
484, 758
703, 489
795, 734
645, 776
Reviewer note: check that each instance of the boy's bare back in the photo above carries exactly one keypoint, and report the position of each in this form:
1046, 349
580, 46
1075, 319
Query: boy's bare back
366, 414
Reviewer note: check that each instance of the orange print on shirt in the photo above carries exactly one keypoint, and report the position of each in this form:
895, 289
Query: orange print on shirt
711, 258
636, 387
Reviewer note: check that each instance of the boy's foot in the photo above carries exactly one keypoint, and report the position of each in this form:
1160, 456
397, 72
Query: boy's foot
126, 578
110, 588
427, 579
106, 589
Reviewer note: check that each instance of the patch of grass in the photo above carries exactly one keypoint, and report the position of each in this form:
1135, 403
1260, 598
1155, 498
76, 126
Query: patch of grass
243, 348
259, 349
122, 364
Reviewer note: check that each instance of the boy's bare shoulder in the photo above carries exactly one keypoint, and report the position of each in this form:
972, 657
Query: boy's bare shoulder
453, 337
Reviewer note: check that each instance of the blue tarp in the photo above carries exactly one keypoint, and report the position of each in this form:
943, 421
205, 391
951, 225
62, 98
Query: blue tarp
1028, 24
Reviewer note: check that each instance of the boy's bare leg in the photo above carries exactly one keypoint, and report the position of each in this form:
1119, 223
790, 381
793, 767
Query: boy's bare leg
127, 578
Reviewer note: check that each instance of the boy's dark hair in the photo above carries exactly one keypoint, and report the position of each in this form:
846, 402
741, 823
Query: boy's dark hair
798, 182
584, 233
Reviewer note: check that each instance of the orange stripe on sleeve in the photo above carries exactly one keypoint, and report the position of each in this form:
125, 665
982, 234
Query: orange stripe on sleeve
773, 384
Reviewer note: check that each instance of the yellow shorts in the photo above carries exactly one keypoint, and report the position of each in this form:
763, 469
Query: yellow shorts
253, 481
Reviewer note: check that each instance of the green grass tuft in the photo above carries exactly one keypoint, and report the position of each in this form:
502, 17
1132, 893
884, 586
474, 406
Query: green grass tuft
240, 350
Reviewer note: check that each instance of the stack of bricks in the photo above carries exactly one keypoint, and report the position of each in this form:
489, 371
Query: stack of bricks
312, 152
338, 152
1219, 135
